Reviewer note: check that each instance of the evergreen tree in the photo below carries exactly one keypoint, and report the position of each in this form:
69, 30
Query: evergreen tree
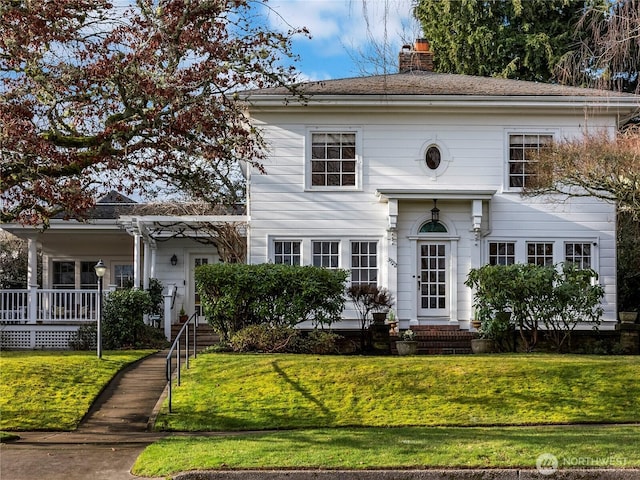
508, 38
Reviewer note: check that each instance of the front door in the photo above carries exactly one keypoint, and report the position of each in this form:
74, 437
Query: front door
433, 279
196, 261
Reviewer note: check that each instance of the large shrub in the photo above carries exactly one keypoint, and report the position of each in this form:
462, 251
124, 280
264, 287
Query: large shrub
235, 296
536, 296
122, 318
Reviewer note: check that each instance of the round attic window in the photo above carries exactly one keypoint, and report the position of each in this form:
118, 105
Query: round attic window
433, 157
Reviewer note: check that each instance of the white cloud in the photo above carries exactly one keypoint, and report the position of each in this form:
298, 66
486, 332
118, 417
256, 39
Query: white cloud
338, 23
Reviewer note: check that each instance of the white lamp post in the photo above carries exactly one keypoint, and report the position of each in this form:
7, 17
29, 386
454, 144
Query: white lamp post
100, 269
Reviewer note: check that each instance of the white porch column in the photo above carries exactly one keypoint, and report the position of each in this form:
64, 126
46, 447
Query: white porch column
32, 307
154, 253
146, 266
32, 280
136, 260
32, 257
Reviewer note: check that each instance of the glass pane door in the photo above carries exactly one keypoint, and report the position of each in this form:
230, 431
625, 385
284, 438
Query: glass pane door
433, 279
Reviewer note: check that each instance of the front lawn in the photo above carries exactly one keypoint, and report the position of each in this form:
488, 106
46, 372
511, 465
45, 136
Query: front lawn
257, 392
45, 390
398, 448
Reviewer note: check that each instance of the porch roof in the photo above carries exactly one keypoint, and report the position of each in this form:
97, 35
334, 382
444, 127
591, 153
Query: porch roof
386, 194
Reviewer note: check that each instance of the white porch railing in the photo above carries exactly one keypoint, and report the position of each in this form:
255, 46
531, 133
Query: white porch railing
48, 306
33, 318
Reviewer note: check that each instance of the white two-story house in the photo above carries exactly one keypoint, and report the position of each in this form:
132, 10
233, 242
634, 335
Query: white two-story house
412, 179
407, 180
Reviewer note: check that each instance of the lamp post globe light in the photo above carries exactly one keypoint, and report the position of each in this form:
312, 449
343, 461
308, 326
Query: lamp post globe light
100, 269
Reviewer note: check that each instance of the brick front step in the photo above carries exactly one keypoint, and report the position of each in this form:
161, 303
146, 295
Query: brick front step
439, 340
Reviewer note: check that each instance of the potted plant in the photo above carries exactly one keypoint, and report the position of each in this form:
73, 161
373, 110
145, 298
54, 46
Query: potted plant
407, 345
183, 315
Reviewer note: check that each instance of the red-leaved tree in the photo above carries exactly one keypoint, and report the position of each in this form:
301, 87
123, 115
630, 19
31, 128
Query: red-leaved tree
96, 96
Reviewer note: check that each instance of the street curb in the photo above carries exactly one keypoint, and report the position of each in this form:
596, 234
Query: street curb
493, 474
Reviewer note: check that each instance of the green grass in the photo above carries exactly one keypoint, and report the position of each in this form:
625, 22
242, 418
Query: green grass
224, 392
8, 437
399, 448
43, 390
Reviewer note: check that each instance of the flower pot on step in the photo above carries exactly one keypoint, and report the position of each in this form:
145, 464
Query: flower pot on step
628, 317
406, 347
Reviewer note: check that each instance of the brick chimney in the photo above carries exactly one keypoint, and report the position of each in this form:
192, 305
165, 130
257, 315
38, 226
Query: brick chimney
416, 58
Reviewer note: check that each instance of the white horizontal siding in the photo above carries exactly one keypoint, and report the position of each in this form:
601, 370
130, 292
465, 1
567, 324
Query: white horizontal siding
475, 151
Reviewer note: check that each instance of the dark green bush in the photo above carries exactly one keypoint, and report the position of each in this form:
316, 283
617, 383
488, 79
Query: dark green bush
84, 338
122, 318
151, 337
235, 296
555, 298
155, 294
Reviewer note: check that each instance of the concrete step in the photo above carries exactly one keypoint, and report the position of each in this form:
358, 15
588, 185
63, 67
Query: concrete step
205, 336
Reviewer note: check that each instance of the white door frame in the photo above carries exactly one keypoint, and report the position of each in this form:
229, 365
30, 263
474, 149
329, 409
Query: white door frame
433, 254
451, 238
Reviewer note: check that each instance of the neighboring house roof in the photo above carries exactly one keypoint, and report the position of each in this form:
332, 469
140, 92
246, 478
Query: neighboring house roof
108, 207
112, 206
430, 83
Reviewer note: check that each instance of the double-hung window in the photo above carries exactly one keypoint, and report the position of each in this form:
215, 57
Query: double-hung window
522, 151
333, 159
64, 275
364, 263
123, 276
88, 277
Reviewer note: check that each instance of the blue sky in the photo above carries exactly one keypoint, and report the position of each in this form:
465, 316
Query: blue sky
340, 34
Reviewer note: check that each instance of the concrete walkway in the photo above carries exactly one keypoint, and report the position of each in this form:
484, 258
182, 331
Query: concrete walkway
109, 438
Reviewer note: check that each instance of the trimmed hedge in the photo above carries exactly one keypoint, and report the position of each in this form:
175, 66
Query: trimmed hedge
235, 296
122, 322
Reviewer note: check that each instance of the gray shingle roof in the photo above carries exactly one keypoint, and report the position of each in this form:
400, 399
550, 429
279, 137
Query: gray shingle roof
430, 83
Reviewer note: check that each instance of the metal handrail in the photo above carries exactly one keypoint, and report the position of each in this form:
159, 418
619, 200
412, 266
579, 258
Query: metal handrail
175, 347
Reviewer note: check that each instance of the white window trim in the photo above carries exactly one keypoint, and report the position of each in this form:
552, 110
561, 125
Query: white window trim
349, 256
487, 248
558, 248
445, 158
329, 240
595, 250
554, 132
307, 157
271, 247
